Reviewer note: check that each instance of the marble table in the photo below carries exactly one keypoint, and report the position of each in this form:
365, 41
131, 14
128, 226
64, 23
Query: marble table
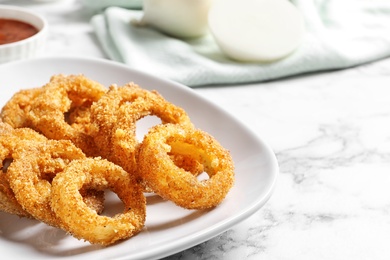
331, 134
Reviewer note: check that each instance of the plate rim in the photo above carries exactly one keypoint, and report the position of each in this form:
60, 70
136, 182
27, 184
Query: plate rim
220, 227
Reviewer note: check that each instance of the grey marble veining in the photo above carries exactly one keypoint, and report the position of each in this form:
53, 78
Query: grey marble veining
331, 134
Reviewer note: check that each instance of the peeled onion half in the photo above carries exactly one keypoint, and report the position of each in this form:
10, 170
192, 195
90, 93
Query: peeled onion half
179, 18
256, 30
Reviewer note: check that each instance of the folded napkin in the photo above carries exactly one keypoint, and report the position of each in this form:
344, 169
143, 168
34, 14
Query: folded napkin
340, 34
102, 4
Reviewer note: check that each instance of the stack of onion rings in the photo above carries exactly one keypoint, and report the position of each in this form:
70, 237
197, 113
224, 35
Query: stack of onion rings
64, 143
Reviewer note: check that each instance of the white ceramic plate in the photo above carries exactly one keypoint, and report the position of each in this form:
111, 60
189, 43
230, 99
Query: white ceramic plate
169, 229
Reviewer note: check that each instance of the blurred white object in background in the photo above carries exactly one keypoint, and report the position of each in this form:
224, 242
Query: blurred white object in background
256, 30
178, 18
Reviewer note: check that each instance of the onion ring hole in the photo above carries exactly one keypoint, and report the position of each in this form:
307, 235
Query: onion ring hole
112, 204
6, 162
144, 124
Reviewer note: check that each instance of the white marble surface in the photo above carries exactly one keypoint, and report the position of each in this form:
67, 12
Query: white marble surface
331, 134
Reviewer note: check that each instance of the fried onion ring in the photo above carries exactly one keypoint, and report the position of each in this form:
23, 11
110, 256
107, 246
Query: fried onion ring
32, 170
8, 202
83, 223
176, 184
115, 115
50, 109
10, 139
104, 114
15, 111
124, 139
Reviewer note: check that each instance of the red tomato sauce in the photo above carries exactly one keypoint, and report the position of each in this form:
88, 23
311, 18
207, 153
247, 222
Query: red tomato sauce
13, 30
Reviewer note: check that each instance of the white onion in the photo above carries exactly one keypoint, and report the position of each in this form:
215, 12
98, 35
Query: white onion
179, 18
256, 30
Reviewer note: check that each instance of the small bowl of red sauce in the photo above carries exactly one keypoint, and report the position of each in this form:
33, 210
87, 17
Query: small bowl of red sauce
22, 33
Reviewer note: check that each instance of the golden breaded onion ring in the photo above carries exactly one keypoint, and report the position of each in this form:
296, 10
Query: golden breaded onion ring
10, 139
8, 203
173, 183
115, 115
104, 114
85, 224
124, 139
15, 111
62, 95
34, 166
